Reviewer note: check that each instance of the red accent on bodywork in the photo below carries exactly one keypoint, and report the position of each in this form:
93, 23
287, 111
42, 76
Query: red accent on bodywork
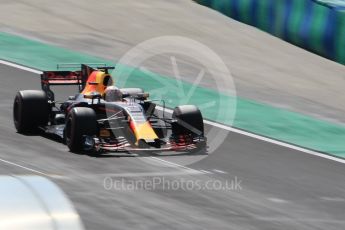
132, 126
61, 77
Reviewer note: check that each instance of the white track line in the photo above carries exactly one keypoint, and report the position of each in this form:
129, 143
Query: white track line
231, 129
23, 167
205, 171
20, 67
276, 142
219, 171
177, 166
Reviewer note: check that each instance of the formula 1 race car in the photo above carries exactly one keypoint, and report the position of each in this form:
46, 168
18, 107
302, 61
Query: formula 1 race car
104, 118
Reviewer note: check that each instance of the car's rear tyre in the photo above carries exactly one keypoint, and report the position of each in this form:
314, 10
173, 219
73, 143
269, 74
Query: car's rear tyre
188, 121
30, 110
80, 122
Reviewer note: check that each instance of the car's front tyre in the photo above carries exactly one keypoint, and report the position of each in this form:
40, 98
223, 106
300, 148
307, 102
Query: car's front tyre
80, 122
188, 121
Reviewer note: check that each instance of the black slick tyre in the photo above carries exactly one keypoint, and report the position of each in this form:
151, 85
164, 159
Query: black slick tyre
80, 122
188, 121
30, 110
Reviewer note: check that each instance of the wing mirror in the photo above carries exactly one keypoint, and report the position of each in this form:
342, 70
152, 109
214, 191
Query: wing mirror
93, 95
138, 96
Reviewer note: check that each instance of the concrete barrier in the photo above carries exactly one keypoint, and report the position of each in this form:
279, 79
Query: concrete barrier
315, 25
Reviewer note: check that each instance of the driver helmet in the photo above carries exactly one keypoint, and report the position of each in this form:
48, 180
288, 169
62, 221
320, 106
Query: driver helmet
112, 93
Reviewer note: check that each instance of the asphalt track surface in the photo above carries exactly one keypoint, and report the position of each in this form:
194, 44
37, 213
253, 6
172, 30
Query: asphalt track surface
265, 68
279, 188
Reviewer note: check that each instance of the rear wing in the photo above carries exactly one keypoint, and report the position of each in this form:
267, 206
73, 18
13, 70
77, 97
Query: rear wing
61, 78
76, 77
